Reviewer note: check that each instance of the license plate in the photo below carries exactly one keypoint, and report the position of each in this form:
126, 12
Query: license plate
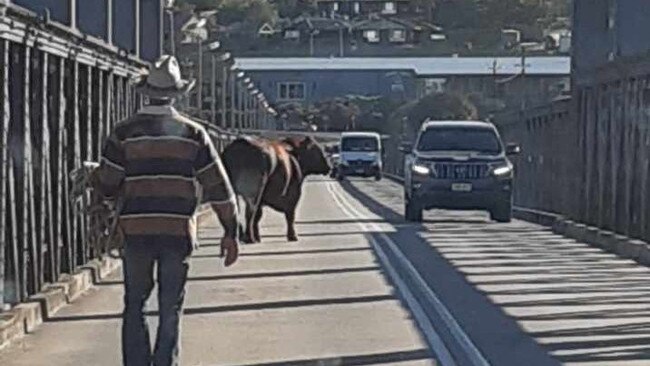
359, 171
461, 187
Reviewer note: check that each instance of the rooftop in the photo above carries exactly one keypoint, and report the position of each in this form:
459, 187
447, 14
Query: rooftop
421, 66
360, 134
475, 124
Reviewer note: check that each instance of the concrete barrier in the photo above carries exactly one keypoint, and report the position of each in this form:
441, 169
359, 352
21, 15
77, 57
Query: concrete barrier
26, 317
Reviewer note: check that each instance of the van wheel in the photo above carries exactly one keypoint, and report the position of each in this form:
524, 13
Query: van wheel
412, 211
340, 176
378, 176
502, 212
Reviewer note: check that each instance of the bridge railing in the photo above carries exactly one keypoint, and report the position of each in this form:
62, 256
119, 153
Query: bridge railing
588, 158
547, 170
59, 99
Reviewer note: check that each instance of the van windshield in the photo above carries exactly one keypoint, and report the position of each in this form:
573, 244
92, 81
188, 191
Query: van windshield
459, 139
359, 144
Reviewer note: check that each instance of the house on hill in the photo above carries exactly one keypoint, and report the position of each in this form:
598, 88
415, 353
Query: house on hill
357, 8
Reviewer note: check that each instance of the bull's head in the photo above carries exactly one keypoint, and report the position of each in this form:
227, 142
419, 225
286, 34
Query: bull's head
310, 155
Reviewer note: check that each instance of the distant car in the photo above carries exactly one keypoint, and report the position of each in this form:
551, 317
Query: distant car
360, 155
458, 165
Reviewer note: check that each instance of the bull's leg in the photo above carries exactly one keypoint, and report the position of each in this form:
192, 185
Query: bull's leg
249, 216
257, 213
290, 215
256, 224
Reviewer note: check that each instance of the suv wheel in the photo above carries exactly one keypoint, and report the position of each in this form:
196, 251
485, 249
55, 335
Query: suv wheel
502, 212
412, 211
378, 175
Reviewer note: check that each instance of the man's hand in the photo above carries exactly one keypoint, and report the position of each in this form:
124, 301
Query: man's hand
229, 250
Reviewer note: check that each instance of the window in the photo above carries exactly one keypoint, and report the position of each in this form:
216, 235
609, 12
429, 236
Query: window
459, 139
292, 34
359, 144
291, 91
335, 6
357, 8
371, 36
398, 35
389, 8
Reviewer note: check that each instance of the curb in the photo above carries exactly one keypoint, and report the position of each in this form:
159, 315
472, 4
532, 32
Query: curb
24, 318
622, 246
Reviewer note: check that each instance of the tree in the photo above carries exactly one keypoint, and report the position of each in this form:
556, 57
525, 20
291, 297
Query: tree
200, 4
294, 8
253, 12
428, 6
436, 106
336, 114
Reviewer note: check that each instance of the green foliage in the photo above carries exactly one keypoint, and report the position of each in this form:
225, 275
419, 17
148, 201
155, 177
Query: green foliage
199, 4
253, 12
435, 106
294, 8
336, 115
493, 14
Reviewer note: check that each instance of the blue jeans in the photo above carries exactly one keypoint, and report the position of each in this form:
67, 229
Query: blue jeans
172, 265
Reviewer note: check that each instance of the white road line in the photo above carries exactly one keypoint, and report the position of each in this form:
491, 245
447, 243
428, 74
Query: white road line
470, 349
433, 339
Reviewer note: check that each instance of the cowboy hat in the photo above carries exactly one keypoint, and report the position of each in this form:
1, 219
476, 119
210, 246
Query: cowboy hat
164, 79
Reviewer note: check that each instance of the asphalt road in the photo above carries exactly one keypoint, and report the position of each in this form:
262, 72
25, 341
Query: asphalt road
362, 287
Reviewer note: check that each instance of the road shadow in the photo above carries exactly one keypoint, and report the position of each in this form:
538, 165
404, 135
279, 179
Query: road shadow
260, 306
591, 305
257, 275
356, 360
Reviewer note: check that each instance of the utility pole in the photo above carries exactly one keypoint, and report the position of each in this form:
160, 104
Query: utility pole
213, 48
213, 89
169, 9
199, 89
341, 53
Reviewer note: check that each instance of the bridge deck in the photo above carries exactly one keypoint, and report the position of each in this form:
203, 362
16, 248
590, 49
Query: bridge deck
362, 287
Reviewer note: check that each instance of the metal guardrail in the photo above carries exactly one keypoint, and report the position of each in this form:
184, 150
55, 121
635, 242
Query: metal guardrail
588, 159
56, 109
61, 92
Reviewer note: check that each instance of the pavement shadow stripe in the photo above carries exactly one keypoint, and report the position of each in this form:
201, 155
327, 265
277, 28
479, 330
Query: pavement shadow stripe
356, 360
266, 275
240, 307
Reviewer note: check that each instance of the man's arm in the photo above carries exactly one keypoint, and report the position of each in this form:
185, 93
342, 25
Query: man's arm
218, 192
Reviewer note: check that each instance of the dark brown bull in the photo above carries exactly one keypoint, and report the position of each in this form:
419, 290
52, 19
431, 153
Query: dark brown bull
270, 173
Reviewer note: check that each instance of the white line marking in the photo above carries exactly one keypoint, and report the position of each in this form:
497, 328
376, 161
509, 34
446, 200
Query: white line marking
435, 342
456, 330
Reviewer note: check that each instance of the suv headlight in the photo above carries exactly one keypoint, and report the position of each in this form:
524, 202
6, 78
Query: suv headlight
420, 169
502, 171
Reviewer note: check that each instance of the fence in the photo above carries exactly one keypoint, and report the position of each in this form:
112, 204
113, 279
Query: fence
61, 92
59, 97
589, 158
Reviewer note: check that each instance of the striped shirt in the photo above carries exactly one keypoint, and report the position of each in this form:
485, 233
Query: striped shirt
156, 161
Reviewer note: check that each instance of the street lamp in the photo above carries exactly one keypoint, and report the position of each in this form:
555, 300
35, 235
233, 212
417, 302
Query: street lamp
169, 9
196, 32
212, 48
226, 59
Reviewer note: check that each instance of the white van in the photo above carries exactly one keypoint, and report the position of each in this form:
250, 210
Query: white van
360, 155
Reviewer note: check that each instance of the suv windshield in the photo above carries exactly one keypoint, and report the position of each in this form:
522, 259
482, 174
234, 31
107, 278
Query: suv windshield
459, 139
359, 144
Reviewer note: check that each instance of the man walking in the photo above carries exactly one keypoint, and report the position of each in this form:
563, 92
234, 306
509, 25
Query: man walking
155, 161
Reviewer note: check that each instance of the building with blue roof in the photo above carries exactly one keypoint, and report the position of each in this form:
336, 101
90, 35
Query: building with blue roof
503, 81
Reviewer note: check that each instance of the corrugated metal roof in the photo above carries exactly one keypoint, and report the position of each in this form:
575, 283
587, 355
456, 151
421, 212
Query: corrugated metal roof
552, 65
